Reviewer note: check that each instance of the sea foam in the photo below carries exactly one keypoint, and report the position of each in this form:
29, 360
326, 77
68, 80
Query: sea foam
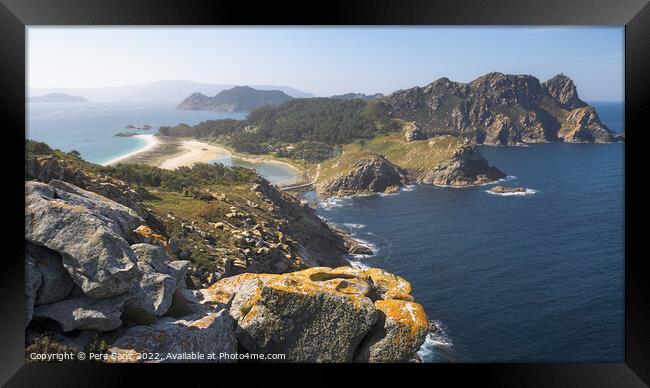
517, 194
436, 346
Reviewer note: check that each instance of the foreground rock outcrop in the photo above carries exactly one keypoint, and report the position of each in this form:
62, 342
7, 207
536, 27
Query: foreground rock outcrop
169, 339
324, 315
500, 109
76, 238
87, 230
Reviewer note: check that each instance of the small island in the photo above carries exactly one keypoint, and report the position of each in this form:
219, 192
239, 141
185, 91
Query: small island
126, 134
237, 99
508, 190
142, 127
57, 97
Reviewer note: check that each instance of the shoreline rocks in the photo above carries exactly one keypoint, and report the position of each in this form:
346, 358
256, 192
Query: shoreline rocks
505, 189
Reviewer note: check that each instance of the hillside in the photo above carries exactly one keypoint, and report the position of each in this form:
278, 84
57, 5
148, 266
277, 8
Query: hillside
308, 128
237, 99
360, 96
224, 220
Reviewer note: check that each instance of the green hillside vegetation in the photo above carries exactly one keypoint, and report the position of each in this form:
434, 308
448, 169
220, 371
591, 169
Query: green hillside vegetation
314, 126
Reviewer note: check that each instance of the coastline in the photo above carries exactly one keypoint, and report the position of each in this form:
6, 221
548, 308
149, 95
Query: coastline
151, 143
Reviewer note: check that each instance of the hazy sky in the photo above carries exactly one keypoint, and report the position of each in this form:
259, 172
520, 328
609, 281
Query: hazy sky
325, 61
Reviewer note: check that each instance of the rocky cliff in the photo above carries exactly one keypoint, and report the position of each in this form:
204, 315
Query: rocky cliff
98, 278
374, 174
499, 109
237, 99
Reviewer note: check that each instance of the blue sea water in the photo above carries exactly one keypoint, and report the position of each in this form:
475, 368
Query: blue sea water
534, 278
90, 127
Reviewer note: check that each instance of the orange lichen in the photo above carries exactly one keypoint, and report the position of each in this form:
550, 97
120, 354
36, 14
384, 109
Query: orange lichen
145, 233
202, 323
407, 314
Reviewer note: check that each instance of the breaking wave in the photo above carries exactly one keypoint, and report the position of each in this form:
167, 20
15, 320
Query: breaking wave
437, 346
518, 194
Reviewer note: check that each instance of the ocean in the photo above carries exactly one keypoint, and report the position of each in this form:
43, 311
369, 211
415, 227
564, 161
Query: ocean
533, 278
90, 127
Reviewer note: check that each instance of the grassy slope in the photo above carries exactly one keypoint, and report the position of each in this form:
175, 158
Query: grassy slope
415, 156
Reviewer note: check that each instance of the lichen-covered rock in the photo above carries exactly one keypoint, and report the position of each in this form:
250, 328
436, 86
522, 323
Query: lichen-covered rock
144, 234
401, 327
89, 232
56, 282
205, 333
373, 175
319, 314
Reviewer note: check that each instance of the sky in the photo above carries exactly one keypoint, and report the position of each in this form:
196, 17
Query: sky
325, 61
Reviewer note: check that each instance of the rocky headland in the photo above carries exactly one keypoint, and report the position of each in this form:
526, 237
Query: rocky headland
499, 109
385, 164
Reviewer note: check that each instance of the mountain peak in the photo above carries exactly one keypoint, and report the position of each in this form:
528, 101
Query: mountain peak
562, 89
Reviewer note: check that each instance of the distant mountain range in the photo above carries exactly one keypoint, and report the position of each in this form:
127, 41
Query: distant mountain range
360, 96
237, 99
57, 97
171, 91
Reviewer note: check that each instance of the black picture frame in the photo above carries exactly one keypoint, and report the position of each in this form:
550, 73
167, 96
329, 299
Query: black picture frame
15, 15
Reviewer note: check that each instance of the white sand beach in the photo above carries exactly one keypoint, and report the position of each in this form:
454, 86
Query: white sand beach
151, 142
195, 152
201, 152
